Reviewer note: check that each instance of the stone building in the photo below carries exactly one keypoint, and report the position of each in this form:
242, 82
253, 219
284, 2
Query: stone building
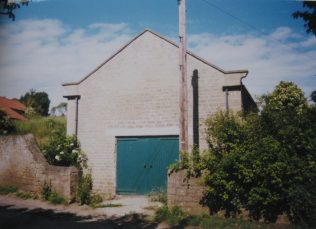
126, 113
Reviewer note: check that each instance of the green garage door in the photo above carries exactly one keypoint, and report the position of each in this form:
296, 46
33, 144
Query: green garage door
142, 163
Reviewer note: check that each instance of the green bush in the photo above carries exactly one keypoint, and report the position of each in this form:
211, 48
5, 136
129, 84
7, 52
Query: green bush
46, 190
6, 125
54, 198
265, 163
64, 150
83, 192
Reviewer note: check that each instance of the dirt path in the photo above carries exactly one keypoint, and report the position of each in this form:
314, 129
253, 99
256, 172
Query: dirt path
132, 212
120, 206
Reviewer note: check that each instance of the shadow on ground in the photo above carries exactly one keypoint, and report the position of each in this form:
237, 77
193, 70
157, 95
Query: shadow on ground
46, 219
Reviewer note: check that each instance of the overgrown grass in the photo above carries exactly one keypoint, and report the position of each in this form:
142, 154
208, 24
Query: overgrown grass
175, 216
158, 195
42, 128
54, 198
5, 190
27, 195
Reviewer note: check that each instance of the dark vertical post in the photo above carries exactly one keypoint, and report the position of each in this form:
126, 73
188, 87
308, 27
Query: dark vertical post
77, 105
227, 104
196, 124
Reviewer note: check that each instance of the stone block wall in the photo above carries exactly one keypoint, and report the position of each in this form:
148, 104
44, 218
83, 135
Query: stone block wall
185, 193
23, 165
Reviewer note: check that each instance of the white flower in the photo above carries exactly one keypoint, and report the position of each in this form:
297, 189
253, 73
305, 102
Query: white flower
62, 152
72, 144
74, 151
57, 157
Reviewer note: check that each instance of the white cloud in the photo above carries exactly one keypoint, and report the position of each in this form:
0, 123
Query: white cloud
42, 54
281, 55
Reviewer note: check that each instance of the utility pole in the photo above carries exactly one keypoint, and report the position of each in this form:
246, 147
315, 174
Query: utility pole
183, 90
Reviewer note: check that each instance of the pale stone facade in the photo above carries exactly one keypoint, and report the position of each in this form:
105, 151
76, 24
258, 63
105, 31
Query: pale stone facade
135, 93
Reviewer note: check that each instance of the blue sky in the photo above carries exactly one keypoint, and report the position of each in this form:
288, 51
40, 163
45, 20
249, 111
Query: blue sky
56, 41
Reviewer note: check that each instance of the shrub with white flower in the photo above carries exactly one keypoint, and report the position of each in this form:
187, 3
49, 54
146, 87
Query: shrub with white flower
64, 150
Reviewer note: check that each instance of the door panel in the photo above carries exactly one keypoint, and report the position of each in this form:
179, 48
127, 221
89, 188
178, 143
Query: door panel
142, 163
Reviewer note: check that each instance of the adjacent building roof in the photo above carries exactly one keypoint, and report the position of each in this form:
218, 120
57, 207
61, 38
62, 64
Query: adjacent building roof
13, 108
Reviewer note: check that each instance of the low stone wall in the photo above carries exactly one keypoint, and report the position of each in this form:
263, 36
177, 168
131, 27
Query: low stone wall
185, 193
23, 165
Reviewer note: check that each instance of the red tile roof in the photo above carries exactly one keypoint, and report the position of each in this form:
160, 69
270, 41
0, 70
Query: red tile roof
13, 108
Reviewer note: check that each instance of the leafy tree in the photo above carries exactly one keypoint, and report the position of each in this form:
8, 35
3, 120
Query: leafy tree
39, 101
265, 163
309, 16
8, 6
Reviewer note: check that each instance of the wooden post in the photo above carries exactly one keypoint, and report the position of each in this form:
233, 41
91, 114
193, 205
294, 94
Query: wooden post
183, 91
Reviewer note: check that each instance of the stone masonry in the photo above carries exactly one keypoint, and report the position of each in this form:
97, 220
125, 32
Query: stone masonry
185, 193
23, 165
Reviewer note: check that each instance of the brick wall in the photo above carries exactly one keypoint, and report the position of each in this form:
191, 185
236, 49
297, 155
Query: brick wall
23, 165
185, 193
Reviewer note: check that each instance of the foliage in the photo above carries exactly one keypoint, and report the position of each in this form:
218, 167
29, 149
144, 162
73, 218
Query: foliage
43, 128
39, 101
265, 163
158, 195
4, 190
27, 195
207, 221
51, 196
7, 7
173, 216
6, 125
46, 190
55, 198
83, 192
191, 162
309, 16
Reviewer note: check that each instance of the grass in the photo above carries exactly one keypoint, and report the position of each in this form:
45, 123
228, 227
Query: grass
110, 205
42, 128
5, 190
54, 198
158, 195
27, 195
175, 216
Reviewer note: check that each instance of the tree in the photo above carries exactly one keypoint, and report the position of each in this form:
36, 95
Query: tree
37, 101
59, 109
309, 16
8, 6
265, 163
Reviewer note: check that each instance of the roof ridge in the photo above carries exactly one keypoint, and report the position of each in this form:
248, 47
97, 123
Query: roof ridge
163, 38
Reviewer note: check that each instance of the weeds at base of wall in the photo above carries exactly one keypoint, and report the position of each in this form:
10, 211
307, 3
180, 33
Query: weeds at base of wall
50, 196
27, 195
158, 195
5, 190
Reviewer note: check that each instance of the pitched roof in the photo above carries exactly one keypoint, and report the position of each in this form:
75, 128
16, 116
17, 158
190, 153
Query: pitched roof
165, 39
13, 108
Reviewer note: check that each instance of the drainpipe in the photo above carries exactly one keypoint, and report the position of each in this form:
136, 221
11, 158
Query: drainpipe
227, 105
241, 92
77, 105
